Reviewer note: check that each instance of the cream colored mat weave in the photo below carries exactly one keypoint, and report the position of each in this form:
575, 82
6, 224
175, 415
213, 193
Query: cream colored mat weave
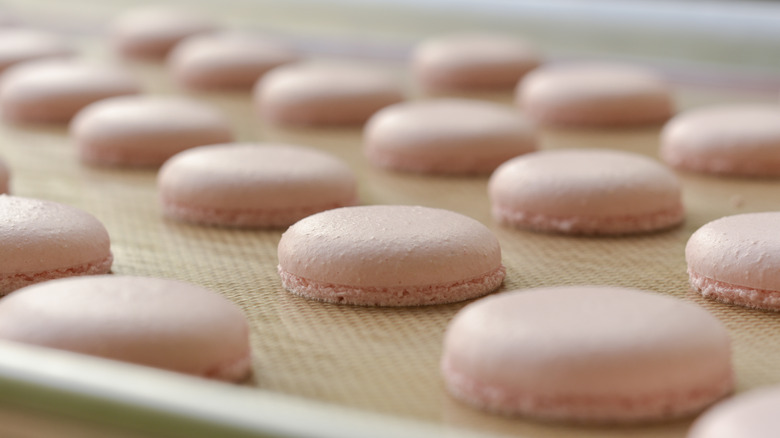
386, 360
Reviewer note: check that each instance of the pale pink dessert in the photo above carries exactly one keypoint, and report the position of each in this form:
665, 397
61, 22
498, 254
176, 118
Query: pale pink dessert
472, 62
730, 140
53, 91
253, 184
155, 322
587, 354
595, 95
145, 130
589, 191
447, 136
735, 260
324, 94
389, 255
150, 32
44, 240
20, 45
226, 60
752, 414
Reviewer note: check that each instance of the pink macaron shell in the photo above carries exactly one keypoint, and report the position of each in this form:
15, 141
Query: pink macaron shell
389, 255
752, 414
587, 354
731, 140
53, 91
43, 240
20, 45
310, 94
448, 136
594, 191
734, 259
253, 185
150, 32
148, 321
226, 60
145, 130
594, 95
472, 62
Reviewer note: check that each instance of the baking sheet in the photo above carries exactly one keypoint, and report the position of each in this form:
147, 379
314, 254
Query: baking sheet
386, 360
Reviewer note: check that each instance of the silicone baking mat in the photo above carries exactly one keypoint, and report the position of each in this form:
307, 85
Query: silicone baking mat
386, 360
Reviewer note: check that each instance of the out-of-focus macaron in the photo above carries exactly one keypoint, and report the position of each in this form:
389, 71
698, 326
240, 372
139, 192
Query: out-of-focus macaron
472, 62
253, 185
595, 95
447, 136
586, 191
155, 322
226, 60
739, 140
594, 354
311, 94
145, 130
53, 91
150, 32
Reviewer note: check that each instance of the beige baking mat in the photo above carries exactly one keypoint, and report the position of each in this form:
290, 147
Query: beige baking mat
386, 360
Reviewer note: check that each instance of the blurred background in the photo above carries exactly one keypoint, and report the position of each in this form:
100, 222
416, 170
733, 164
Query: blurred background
734, 40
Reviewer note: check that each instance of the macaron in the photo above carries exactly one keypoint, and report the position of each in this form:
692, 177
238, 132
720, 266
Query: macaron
752, 414
595, 95
735, 260
53, 91
739, 140
226, 60
155, 322
586, 191
145, 130
447, 136
472, 62
44, 240
324, 94
389, 255
253, 184
150, 32
592, 354
20, 45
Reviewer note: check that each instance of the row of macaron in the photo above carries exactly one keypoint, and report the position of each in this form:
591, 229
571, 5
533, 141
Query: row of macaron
499, 408
577, 353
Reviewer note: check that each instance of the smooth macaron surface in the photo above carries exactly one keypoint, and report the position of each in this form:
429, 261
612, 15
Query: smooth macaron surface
44, 240
248, 184
752, 414
53, 91
735, 259
594, 95
472, 62
324, 94
145, 130
150, 32
589, 191
20, 45
226, 60
155, 322
389, 255
731, 140
446, 136
587, 354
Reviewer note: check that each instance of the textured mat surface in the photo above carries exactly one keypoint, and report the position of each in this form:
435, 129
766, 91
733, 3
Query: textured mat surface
386, 360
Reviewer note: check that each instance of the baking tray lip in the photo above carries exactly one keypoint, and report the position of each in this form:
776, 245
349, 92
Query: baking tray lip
73, 385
